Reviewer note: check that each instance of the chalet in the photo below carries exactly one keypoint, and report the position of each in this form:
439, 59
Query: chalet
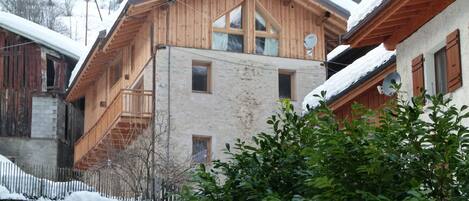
357, 83
428, 37
216, 68
35, 65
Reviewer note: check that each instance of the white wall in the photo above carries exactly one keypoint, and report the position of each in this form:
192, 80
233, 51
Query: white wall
244, 94
428, 39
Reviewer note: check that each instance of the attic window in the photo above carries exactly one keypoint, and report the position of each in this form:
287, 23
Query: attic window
228, 34
266, 36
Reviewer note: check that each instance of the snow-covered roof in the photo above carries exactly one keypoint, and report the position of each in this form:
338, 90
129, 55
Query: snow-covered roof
361, 11
108, 24
41, 35
337, 51
350, 75
346, 4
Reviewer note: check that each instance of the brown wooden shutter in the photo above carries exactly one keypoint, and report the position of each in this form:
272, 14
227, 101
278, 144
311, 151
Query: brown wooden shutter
453, 56
418, 75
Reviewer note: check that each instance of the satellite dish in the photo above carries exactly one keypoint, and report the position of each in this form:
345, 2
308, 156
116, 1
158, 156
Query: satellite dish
392, 79
310, 42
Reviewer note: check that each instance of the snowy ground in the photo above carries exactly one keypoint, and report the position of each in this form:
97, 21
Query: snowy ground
15, 193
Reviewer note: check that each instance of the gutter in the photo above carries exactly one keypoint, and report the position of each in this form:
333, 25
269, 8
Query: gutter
362, 80
369, 17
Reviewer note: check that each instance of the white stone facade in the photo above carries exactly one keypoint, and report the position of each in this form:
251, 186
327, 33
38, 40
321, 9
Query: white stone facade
431, 37
244, 93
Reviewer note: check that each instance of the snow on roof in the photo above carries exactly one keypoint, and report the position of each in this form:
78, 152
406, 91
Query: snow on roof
41, 34
337, 51
361, 11
108, 24
346, 4
350, 75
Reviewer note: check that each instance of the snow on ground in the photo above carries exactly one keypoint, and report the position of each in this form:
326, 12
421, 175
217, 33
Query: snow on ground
6, 195
40, 34
338, 50
82, 196
11, 175
106, 25
350, 75
361, 11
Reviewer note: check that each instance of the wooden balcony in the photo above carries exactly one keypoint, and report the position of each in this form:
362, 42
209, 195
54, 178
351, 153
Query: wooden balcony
123, 120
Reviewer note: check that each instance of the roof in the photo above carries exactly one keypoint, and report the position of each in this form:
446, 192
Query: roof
390, 21
41, 35
341, 7
361, 12
351, 76
85, 56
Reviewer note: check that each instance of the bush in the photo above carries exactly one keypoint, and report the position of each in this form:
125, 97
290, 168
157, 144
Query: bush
412, 153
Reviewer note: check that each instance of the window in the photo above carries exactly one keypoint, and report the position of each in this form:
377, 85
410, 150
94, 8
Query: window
285, 85
440, 71
50, 72
201, 149
266, 36
115, 71
201, 76
228, 32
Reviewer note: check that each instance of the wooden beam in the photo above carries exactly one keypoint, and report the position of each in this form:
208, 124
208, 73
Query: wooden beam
423, 17
377, 20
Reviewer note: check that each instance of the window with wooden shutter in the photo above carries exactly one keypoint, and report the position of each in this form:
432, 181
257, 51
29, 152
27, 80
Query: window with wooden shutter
418, 75
453, 55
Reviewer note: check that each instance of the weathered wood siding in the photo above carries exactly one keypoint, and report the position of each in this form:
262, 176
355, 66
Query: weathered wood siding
23, 73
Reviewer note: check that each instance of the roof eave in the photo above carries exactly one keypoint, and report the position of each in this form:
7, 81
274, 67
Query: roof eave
370, 75
365, 21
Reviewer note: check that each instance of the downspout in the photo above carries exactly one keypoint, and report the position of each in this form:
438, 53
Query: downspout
168, 137
153, 93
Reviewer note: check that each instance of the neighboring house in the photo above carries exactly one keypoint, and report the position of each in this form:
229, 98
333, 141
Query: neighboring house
35, 121
430, 38
356, 83
221, 68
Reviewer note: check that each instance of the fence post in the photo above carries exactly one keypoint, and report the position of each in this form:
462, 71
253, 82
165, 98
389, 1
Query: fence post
42, 181
99, 181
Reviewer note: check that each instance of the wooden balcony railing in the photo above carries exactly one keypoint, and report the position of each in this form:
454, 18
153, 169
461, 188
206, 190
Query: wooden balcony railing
129, 105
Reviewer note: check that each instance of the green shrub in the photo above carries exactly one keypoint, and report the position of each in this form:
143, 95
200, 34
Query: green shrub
414, 153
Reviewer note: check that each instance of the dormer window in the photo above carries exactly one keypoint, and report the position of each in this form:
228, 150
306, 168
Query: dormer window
266, 36
228, 34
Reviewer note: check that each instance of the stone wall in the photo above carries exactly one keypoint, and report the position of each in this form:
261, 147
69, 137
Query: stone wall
244, 94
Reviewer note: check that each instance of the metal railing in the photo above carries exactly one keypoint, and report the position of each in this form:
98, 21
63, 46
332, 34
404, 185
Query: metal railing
127, 104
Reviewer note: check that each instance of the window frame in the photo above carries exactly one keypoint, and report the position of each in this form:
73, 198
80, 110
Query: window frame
206, 138
292, 75
429, 66
272, 28
112, 71
208, 65
445, 70
54, 61
228, 29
